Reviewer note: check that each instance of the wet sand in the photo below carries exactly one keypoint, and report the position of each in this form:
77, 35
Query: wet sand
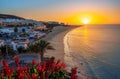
56, 40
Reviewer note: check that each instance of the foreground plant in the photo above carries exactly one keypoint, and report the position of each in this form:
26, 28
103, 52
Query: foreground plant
40, 47
52, 69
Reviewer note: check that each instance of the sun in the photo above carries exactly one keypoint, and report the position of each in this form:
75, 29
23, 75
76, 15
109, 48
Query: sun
85, 20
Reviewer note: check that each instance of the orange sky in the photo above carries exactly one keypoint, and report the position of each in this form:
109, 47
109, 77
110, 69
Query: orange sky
67, 11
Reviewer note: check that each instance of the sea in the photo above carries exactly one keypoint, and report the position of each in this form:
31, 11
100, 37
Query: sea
94, 50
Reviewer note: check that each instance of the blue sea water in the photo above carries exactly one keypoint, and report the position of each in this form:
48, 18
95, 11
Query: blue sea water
95, 50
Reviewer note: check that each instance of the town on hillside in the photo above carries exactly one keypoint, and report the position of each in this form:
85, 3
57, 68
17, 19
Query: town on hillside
17, 33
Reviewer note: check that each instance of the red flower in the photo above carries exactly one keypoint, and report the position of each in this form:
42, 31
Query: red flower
74, 73
4, 63
33, 62
8, 73
25, 69
43, 70
17, 60
12, 70
20, 69
62, 65
1, 76
44, 66
39, 68
34, 76
21, 76
58, 61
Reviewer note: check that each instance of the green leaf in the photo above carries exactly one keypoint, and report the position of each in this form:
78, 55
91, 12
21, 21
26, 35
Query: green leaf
4, 77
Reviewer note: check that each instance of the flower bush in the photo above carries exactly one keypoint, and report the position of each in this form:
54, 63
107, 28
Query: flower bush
52, 69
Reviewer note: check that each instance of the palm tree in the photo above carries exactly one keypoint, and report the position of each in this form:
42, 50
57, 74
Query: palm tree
41, 47
9, 50
32, 48
3, 50
21, 50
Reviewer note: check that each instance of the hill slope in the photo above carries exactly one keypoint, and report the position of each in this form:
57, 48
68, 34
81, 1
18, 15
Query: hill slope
5, 16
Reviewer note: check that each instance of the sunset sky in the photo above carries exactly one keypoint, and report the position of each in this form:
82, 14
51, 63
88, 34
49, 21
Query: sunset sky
68, 11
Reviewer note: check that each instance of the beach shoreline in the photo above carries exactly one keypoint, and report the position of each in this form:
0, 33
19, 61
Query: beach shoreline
56, 40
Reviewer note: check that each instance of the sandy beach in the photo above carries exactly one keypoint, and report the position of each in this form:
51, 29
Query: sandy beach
56, 39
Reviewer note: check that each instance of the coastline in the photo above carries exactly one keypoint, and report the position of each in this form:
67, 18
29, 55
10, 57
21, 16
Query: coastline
56, 40
83, 70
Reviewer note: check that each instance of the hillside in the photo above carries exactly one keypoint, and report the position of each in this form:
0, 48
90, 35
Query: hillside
5, 16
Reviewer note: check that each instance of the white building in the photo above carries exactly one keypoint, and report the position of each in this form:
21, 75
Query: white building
22, 44
6, 30
11, 30
20, 29
2, 43
14, 46
11, 20
40, 26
